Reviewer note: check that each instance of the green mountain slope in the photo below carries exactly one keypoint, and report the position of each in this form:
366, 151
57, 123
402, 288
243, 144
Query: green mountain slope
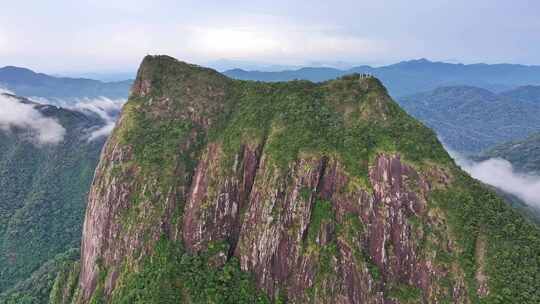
524, 155
38, 286
529, 211
43, 189
530, 93
213, 190
471, 119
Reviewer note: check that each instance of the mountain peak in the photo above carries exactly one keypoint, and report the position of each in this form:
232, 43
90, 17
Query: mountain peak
319, 190
190, 135
161, 72
11, 68
414, 62
13, 72
421, 60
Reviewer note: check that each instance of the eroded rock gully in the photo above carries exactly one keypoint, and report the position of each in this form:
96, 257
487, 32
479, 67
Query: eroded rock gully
265, 216
308, 232
365, 245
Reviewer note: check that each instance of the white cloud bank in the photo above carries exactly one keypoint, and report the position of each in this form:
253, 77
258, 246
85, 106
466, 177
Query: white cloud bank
499, 173
107, 109
40, 129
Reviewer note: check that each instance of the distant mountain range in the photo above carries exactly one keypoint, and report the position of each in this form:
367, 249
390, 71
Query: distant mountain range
499, 103
403, 78
25, 82
470, 119
410, 77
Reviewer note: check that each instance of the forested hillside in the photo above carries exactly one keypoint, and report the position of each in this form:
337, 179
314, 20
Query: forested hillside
44, 180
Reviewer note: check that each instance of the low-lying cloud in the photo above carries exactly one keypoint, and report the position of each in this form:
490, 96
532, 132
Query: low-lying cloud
500, 173
107, 109
38, 128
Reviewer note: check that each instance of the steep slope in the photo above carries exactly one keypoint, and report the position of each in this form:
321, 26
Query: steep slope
25, 82
43, 185
529, 211
414, 76
471, 119
37, 287
212, 190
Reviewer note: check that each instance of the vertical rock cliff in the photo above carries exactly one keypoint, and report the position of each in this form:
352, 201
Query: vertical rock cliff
225, 191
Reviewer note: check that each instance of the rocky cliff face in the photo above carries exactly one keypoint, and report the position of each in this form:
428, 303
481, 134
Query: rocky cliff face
323, 193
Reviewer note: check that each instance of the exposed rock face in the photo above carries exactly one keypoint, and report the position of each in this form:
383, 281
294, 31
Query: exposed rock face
215, 201
265, 216
314, 228
115, 226
102, 223
272, 243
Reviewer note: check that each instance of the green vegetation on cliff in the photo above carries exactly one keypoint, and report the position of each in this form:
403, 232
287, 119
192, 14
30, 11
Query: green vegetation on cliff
478, 248
351, 117
512, 259
173, 276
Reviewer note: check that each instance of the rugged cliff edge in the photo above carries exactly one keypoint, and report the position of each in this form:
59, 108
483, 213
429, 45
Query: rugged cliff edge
213, 190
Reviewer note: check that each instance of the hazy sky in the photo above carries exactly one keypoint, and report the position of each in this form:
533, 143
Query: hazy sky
59, 36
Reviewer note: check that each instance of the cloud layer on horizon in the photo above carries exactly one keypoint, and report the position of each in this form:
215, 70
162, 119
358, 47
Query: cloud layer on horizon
39, 129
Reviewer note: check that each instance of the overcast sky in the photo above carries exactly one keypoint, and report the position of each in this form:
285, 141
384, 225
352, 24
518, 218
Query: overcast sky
63, 36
